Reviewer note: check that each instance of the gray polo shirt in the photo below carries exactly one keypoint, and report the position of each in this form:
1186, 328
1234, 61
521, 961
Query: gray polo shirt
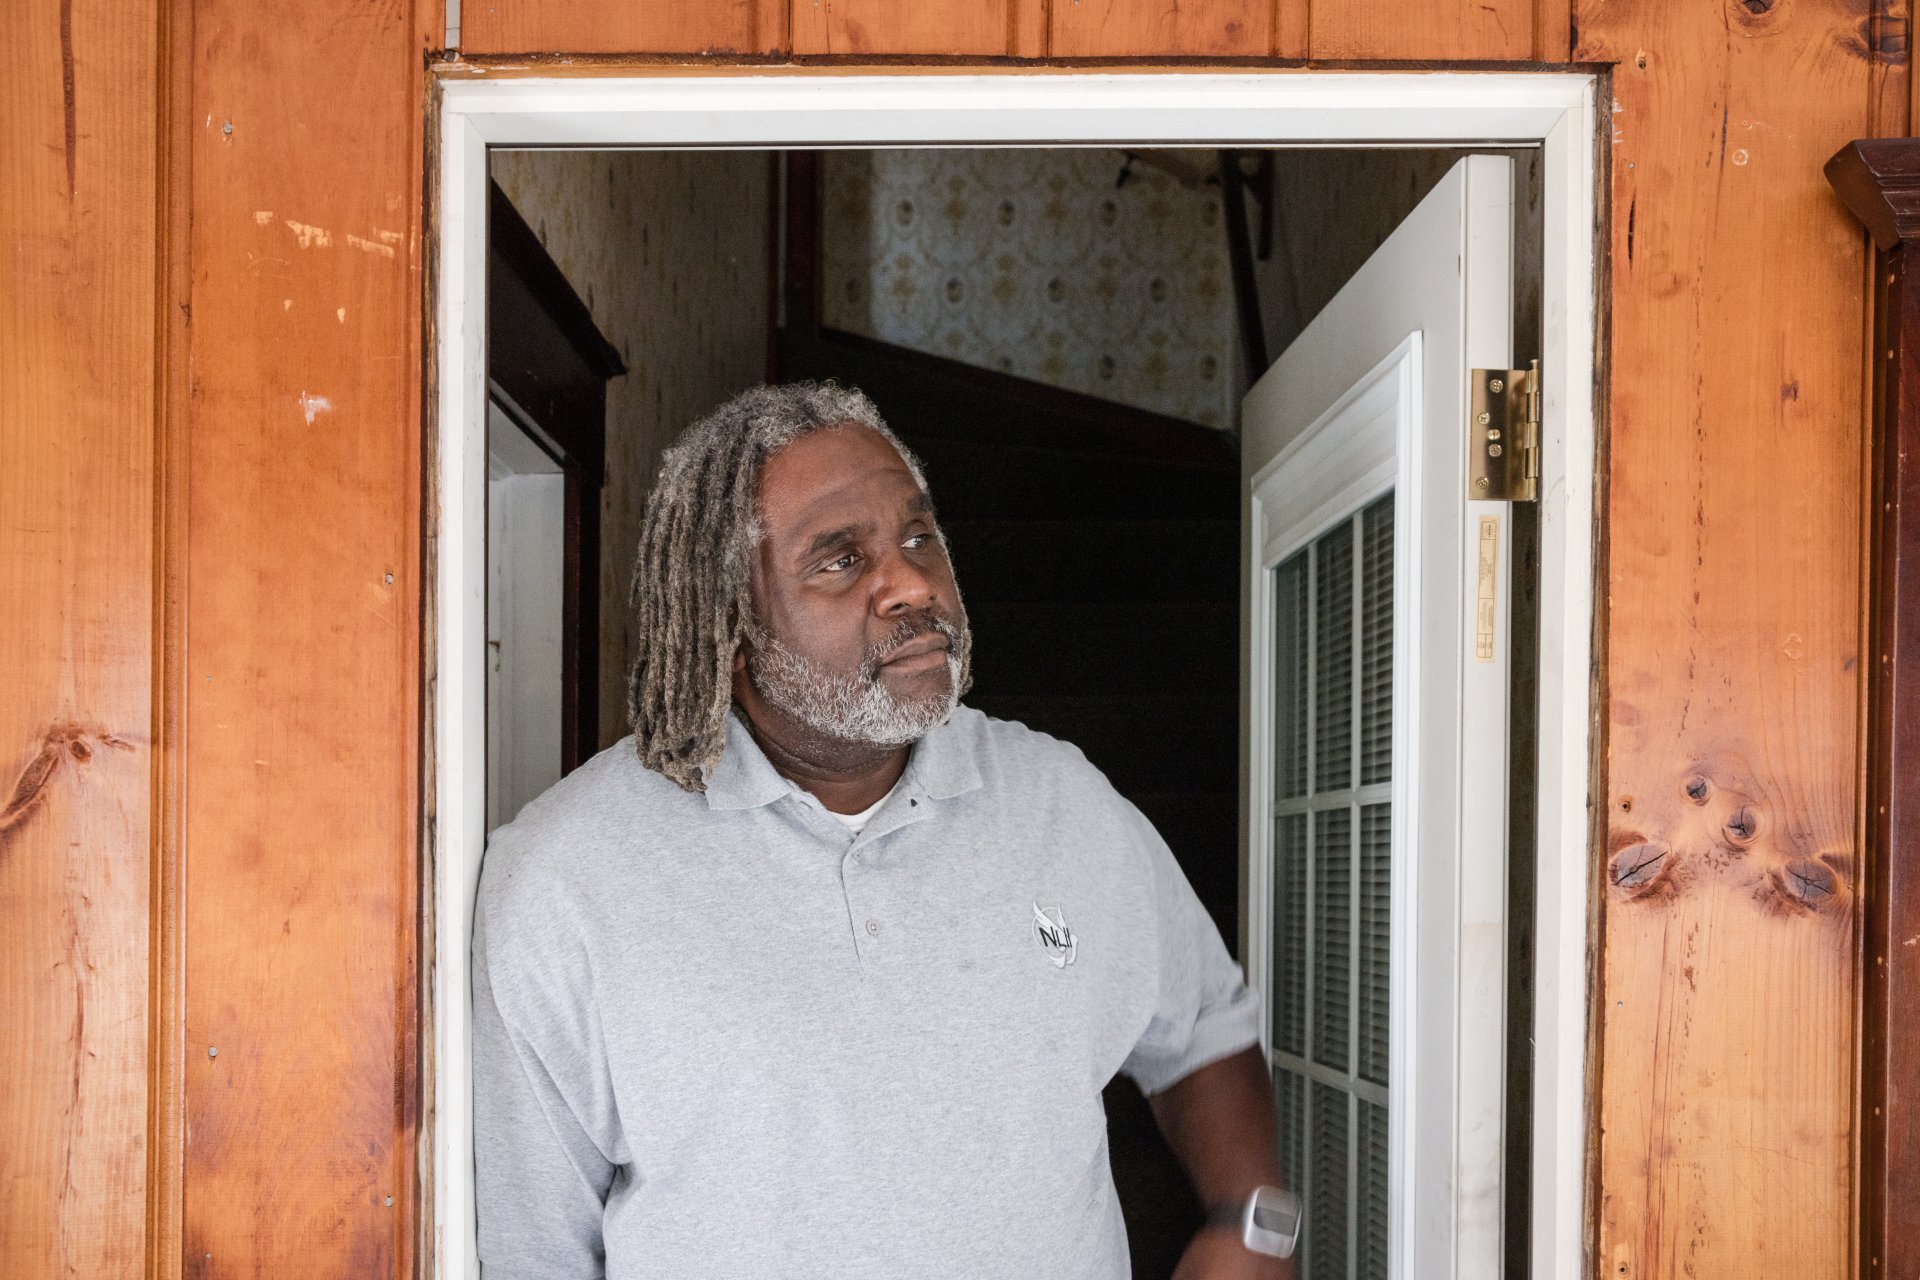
720, 1035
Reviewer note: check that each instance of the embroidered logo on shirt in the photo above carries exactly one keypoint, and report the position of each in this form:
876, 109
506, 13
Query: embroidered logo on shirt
1056, 939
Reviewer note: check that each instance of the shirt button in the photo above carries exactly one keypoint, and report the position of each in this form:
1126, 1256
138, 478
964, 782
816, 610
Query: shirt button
873, 928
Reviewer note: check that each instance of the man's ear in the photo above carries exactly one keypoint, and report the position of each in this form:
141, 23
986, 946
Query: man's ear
740, 657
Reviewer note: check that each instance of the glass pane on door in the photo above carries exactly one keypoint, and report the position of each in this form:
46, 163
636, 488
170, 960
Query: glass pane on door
1332, 876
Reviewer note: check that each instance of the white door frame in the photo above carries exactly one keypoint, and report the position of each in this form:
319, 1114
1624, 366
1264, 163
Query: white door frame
798, 107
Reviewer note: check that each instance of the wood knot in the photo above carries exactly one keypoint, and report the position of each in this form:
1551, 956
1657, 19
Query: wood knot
1698, 788
62, 741
1757, 7
1639, 868
1742, 827
1807, 883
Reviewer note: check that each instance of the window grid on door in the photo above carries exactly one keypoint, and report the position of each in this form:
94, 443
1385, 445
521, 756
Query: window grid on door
1332, 814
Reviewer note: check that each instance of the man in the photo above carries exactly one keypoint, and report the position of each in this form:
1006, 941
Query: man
821, 974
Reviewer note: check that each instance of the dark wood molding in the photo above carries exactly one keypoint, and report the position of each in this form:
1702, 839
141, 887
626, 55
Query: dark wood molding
800, 271
1879, 181
543, 348
1246, 286
580, 623
1072, 416
548, 366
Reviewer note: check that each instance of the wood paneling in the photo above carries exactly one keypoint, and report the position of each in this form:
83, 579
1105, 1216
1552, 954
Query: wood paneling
1729, 988
303, 627
655, 26
1732, 641
78, 242
1459, 29
1201, 28
1552, 31
887, 26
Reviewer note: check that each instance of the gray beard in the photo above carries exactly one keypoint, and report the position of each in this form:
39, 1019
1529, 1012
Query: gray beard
853, 706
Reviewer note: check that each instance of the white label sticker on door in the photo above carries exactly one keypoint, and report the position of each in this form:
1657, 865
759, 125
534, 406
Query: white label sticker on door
1483, 611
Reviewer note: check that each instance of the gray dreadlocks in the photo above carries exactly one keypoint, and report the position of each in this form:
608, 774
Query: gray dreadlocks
691, 590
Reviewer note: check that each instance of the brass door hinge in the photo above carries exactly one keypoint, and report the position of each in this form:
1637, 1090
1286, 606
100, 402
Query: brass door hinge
1503, 435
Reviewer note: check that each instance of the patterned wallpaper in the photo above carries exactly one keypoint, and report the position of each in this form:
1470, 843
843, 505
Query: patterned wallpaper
1034, 263
669, 250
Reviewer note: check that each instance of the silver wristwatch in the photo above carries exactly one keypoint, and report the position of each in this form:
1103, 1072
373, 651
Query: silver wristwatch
1269, 1221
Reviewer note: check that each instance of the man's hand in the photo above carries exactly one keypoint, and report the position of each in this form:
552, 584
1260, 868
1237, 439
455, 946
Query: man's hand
1219, 1122
1216, 1253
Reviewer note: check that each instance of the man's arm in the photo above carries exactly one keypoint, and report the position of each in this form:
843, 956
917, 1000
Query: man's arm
1219, 1122
1199, 1063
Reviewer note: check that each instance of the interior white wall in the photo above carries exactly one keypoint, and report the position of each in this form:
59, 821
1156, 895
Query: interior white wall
669, 250
804, 108
526, 586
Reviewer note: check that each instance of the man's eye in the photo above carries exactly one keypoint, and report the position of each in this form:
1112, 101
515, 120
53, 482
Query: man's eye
917, 540
841, 565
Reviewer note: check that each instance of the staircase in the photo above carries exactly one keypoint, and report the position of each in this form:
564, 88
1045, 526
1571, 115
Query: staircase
1098, 555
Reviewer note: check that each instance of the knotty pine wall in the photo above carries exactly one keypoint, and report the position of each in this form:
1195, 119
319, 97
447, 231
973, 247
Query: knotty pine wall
211, 562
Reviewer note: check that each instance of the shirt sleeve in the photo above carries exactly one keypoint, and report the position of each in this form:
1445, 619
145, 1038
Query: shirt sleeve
1204, 1010
541, 1180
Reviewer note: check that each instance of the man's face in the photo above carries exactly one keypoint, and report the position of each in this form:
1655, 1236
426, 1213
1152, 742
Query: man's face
858, 631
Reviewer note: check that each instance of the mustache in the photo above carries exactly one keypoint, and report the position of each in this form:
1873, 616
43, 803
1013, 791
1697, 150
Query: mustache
911, 627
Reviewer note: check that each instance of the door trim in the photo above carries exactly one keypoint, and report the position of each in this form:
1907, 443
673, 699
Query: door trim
810, 107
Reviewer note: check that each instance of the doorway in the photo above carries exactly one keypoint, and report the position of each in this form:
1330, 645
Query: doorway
1545, 113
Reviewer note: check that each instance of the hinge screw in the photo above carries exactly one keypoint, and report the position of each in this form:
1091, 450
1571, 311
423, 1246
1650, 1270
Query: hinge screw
1484, 418
1494, 384
1493, 433
1481, 483
1493, 450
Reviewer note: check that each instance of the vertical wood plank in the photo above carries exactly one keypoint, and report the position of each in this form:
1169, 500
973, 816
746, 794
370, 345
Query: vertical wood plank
1499, 30
77, 350
1031, 23
621, 26
773, 25
1290, 28
166, 1056
301, 700
1729, 986
1552, 30
1195, 28
886, 26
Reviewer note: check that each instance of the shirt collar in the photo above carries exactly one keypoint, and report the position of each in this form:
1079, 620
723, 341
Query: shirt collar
941, 766
743, 778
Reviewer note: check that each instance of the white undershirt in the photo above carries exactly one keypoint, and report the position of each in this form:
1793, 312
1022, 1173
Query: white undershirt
855, 821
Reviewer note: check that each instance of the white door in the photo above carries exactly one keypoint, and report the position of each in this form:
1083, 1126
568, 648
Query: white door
526, 549
1377, 746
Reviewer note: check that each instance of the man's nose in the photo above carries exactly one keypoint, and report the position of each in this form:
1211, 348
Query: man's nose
903, 586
